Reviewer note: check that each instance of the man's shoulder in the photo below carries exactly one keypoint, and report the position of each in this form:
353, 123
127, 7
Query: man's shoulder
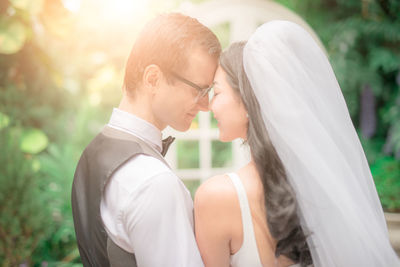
106, 142
147, 165
139, 170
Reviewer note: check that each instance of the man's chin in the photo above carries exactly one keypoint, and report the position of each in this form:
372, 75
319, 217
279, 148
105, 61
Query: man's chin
182, 127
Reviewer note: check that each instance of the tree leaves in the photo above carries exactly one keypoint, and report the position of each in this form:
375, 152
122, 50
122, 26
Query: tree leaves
31, 6
4, 120
384, 58
13, 33
33, 141
12, 36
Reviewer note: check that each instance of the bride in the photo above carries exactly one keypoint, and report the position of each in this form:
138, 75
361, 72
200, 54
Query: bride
307, 196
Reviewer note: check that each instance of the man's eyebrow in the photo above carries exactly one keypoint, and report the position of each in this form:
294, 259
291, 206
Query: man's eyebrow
205, 86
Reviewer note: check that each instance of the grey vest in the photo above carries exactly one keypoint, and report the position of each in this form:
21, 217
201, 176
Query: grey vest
108, 151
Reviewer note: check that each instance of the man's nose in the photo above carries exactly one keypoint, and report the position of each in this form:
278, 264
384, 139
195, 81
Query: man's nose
203, 103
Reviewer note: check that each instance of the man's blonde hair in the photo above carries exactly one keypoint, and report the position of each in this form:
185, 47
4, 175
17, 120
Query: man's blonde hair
167, 41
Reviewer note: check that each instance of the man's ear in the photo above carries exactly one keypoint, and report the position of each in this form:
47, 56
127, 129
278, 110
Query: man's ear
152, 76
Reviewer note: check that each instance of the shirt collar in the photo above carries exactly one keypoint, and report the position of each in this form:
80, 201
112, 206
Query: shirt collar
136, 126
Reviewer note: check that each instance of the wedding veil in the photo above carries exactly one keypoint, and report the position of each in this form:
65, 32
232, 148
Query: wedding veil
306, 116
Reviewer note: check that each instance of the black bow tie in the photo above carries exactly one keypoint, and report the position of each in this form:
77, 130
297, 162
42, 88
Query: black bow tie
166, 143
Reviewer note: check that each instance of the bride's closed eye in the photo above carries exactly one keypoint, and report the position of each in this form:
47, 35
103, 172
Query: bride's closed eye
214, 93
216, 90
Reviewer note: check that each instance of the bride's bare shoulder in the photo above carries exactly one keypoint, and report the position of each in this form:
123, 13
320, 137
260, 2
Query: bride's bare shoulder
215, 191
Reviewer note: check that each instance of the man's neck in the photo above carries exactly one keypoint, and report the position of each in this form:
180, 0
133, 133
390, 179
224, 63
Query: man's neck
140, 107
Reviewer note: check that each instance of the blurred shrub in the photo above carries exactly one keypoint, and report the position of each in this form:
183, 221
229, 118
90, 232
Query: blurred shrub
25, 216
386, 175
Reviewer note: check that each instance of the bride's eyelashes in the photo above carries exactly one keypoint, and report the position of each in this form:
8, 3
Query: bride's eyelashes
213, 95
216, 92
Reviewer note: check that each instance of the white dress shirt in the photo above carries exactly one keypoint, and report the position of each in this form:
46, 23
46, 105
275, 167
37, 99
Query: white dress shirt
146, 209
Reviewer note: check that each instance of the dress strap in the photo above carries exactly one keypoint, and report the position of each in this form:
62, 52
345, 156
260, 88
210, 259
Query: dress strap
249, 247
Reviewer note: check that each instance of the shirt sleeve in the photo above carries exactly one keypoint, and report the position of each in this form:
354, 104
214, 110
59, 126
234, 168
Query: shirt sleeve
158, 220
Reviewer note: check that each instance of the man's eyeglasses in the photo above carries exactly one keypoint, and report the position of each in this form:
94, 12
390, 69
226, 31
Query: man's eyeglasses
202, 91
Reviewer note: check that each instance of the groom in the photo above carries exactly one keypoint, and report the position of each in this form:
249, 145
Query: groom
129, 208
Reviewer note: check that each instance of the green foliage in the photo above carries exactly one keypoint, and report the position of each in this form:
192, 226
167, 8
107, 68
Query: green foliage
30, 6
25, 218
12, 36
57, 165
37, 159
192, 185
222, 31
221, 154
188, 154
33, 141
4, 120
386, 175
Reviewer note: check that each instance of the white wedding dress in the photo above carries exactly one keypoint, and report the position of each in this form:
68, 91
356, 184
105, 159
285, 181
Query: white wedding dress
307, 119
247, 255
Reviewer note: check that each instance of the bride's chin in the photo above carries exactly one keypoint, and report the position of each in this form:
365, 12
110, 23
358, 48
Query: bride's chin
225, 138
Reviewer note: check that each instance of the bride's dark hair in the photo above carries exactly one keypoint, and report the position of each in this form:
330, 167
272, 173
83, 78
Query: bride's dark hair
280, 200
